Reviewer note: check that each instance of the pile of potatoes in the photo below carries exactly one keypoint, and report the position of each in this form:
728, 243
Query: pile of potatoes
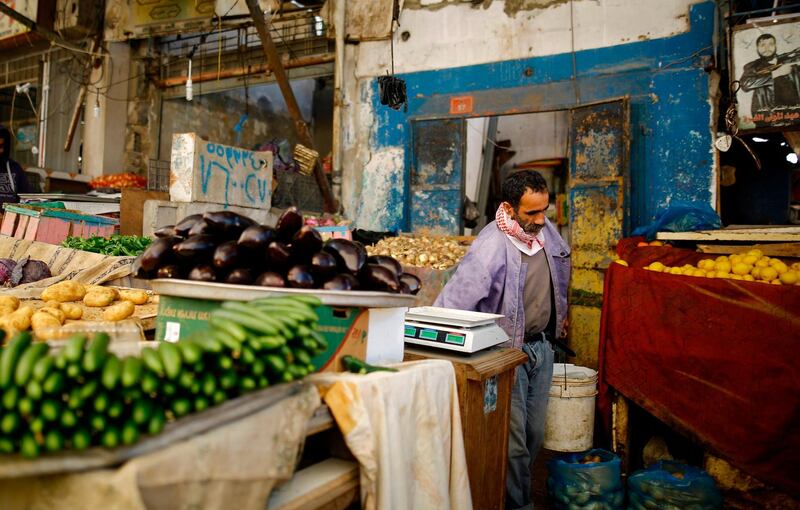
66, 300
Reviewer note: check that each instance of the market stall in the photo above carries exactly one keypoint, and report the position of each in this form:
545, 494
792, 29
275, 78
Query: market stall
714, 358
239, 344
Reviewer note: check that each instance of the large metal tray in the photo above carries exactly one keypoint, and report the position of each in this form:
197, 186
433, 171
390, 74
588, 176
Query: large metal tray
229, 292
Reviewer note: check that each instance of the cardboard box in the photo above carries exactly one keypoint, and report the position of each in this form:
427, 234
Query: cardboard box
203, 171
132, 209
373, 334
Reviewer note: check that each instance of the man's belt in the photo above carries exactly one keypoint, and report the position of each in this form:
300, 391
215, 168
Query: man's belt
545, 336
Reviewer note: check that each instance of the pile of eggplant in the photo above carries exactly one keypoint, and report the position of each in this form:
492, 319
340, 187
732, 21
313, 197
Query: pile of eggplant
227, 247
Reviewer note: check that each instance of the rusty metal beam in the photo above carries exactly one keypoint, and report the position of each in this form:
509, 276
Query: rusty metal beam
245, 71
276, 65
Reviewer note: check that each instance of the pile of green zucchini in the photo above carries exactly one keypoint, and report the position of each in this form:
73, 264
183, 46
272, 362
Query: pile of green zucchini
83, 395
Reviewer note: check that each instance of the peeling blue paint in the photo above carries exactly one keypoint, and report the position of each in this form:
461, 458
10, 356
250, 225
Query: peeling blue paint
671, 138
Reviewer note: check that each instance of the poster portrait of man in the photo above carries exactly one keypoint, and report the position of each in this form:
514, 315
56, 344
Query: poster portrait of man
766, 67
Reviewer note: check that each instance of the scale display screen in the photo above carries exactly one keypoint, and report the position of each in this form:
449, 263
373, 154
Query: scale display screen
434, 335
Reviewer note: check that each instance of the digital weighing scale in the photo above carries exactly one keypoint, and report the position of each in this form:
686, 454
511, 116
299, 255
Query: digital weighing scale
455, 330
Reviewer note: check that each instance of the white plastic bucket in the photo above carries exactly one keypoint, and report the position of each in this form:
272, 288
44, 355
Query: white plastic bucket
569, 425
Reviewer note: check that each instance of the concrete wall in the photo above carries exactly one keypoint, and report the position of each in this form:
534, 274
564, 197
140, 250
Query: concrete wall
652, 51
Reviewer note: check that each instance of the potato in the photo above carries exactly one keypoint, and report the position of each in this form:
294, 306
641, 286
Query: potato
65, 291
72, 310
100, 288
98, 298
26, 310
19, 320
119, 311
6, 310
9, 302
42, 321
137, 297
55, 312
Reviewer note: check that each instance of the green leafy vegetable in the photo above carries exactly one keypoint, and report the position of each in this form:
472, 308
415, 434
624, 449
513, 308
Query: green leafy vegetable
116, 245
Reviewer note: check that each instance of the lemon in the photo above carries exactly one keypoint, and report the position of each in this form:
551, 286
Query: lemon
656, 243
700, 272
756, 272
722, 267
749, 278
675, 270
736, 277
724, 276
768, 274
706, 264
740, 268
656, 266
789, 277
755, 253
762, 262
750, 259
721, 258
776, 282
711, 274
780, 267
687, 272
735, 259
621, 262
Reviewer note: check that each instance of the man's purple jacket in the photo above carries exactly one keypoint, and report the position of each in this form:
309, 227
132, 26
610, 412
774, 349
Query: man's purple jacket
491, 278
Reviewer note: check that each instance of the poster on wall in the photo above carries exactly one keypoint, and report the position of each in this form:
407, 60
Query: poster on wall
9, 27
766, 68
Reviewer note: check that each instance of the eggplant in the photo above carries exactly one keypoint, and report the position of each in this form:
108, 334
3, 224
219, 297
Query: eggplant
168, 231
279, 255
323, 265
411, 281
349, 256
305, 243
289, 223
183, 227
257, 237
159, 253
241, 276
227, 223
404, 288
270, 279
389, 263
203, 273
200, 228
170, 271
228, 255
375, 277
300, 277
342, 281
197, 248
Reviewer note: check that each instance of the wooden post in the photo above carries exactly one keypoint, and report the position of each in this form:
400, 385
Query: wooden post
276, 66
620, 430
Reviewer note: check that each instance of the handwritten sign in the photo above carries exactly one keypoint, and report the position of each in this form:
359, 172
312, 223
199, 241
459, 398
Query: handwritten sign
204, 171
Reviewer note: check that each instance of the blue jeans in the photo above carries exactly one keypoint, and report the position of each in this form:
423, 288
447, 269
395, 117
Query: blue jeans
529, 398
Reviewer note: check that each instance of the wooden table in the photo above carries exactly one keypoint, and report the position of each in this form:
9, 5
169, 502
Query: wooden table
484, 382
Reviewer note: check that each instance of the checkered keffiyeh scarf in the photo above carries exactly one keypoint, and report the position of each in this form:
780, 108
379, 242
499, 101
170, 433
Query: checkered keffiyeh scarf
513, 229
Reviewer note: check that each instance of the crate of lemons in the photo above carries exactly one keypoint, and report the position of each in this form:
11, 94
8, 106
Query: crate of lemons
67, 300
752, 266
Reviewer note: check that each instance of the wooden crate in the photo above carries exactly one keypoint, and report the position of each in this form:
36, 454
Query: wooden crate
53, 225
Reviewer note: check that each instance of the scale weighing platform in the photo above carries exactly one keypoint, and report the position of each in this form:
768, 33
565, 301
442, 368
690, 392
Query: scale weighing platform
455, 330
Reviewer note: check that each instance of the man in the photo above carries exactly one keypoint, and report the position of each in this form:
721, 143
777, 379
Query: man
12, 177
519, 267
772, 78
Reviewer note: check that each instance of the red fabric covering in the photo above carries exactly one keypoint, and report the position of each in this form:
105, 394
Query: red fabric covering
716, 359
